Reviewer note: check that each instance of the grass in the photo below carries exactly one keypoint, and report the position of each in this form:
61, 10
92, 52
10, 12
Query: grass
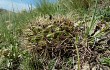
106, 61
92, 20
12, 24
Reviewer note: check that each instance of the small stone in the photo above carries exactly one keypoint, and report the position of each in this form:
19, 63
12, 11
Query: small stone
86, 66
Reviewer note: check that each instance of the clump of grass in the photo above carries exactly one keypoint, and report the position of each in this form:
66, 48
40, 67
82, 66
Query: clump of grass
10, 58
50, 39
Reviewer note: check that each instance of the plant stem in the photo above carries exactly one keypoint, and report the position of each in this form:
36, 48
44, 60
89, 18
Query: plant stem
77, 51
